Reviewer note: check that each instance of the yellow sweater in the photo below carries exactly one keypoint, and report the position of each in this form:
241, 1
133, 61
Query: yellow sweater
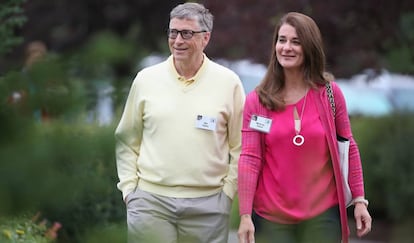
181, 141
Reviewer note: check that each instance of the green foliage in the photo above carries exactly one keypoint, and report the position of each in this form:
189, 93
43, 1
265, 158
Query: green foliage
65, 171
22, 229
45, 89
401, 59
11, 17
387, 156
400, 56
377, 29
92, 199
234, 214
407, 26
64, 166
107, 48
110, 233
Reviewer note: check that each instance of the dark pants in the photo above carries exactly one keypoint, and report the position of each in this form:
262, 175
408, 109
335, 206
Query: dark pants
324, 228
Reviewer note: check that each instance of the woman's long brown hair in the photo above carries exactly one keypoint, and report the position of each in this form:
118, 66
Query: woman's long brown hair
269, 90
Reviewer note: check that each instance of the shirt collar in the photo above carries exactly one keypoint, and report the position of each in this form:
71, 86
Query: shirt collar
193, 79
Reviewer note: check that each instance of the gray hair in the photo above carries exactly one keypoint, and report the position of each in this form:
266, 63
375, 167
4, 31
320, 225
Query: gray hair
194, 11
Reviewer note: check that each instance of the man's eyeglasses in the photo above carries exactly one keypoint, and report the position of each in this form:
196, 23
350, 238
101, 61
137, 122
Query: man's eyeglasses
185, 34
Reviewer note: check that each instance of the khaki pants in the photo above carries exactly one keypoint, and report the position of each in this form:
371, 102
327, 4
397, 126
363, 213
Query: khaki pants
152, 218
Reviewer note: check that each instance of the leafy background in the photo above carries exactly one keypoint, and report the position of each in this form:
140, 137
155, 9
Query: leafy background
57, 158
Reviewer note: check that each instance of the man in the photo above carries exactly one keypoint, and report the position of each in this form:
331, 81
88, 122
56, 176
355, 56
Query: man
178, 141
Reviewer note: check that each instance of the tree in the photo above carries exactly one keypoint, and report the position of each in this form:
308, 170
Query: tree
357, 35
11, 17
65, 25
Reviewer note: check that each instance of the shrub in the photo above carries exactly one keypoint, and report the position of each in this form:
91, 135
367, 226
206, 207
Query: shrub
11, 18
67, 172
387, 154
24, 228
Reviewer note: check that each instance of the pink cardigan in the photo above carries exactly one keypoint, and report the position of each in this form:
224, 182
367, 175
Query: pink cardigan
250, 162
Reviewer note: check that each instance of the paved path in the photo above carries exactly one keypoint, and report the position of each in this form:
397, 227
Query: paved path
233, 239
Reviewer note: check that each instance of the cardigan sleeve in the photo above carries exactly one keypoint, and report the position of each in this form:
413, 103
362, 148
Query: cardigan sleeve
251, 157
343, 129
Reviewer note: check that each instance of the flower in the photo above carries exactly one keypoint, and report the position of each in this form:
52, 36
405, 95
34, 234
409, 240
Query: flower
51, 233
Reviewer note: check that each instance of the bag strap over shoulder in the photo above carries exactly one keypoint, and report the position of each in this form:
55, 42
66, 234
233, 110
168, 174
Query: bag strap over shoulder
331, 97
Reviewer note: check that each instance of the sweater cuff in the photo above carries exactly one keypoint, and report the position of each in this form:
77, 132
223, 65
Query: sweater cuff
229, 190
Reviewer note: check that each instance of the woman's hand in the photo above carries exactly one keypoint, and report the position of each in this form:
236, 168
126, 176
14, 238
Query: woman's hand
246, 229
362, 219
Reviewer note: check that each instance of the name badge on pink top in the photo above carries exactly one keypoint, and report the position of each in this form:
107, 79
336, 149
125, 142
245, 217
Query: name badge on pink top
260, 123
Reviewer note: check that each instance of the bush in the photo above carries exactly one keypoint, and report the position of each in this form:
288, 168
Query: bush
25, 228
108, 233
387, 154
55, 158
67, 172
11, 18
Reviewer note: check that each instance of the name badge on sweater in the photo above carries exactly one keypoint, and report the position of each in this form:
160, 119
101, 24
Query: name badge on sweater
260, 123
206, 122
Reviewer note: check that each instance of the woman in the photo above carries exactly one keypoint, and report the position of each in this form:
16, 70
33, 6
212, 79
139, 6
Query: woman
289, 171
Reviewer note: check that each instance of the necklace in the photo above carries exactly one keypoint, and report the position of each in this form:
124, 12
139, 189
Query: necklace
298, 139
